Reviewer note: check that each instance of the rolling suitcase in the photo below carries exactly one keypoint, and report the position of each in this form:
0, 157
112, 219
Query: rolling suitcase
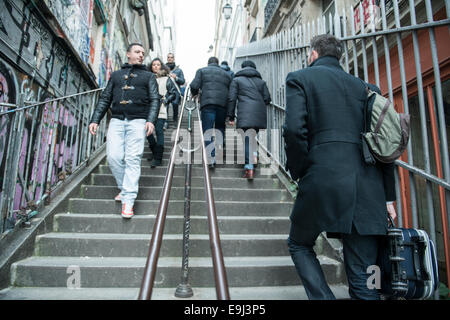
408, 264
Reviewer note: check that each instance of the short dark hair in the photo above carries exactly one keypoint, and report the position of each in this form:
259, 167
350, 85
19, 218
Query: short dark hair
134, 44
224, 62
248, 63
327, 45
213, 60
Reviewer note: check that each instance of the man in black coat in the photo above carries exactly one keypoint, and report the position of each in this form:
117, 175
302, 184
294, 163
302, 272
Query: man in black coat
249, 93
214, 83
132, 94
338, 192
177, 75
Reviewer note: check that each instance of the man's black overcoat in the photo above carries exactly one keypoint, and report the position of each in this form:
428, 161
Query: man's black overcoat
322, 131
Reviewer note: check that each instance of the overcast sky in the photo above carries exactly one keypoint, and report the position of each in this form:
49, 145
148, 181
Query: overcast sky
195, 33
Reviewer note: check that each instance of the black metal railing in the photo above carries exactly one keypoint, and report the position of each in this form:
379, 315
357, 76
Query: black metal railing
41, 145
158, 229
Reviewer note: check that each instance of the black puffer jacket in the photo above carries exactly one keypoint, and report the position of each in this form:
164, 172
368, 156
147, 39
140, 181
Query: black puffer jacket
132, 93
214, 83
252, 96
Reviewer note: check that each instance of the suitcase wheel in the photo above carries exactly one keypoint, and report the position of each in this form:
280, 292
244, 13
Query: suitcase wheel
399, 286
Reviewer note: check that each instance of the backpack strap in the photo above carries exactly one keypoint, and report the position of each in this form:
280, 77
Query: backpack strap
382, 115
367, 155
366, 106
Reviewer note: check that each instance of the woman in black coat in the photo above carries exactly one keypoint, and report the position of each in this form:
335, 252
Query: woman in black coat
252, 95
168, 93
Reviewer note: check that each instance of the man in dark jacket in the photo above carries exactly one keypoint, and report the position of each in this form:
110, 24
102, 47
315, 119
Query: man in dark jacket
224, 65
214, 83
132, 94
250, 92
177, 75
338, 191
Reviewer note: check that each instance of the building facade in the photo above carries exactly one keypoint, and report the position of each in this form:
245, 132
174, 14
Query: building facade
230, 30
163, 26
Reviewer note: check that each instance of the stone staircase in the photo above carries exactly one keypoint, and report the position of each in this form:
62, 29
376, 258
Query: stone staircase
108, 253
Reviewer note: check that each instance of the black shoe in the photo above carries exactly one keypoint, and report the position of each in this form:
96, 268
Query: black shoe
155, 163
212, 166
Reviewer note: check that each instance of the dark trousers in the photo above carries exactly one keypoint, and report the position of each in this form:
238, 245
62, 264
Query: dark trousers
175, 113
360, 252
211, 117
157, 145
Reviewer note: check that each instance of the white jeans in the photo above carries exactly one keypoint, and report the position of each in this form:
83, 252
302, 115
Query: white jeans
124, 149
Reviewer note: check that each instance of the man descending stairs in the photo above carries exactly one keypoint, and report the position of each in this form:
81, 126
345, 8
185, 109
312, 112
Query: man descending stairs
93, 253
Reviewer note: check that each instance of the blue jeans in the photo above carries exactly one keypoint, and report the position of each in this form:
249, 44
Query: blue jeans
124, 148
360, 252
250, 147
211, 116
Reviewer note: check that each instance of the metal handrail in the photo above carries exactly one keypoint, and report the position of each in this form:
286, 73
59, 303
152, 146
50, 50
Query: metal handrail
158, 229
214, 239
54, 136
35, 104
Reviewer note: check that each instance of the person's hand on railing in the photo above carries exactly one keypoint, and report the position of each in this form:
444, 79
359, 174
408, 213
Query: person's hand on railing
93, 128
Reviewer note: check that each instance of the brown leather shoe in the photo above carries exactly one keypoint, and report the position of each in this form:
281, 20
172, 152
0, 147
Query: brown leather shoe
249, 174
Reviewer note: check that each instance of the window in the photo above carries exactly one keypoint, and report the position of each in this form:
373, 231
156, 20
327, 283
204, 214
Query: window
328, 7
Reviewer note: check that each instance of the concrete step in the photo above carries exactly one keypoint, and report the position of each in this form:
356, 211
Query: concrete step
143, 224
179, 181
136, 245
223, 208
220, 171
236, 293
120, 272
197, 193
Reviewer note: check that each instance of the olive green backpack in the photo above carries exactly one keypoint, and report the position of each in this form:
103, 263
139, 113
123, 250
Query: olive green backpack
387, 135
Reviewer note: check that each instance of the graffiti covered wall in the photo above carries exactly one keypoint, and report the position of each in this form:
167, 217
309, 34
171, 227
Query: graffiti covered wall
61, 120
51, 49
75, 18
36, 66
27, 41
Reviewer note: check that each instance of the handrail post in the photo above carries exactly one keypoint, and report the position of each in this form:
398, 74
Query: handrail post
184, 289
148, 279
158, 229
